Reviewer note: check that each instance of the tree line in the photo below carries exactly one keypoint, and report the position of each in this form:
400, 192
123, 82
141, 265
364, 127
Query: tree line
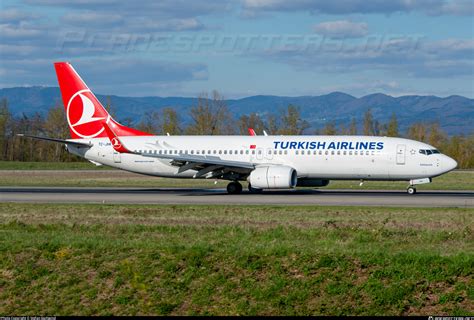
211, 116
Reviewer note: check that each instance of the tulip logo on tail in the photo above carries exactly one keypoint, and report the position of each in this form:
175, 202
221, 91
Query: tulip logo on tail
83, 117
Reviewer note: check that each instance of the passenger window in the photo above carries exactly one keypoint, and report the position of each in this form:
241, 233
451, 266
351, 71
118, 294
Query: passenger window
338, 152
367, 153
320, 152
253, 151
246, 152
350, 152
296, 152
345, 152
214, 152
332, 152
220, 151
326, 153
241, 151
280, 152
230, 151
286, 152
302, 152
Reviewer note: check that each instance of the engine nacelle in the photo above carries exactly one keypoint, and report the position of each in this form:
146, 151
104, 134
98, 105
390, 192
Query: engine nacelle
312, 182
273, 177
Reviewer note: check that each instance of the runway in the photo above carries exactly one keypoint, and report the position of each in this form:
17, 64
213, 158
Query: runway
393, 198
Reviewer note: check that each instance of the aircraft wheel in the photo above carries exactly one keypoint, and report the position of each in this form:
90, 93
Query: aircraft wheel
411, 190
254, 190
234, 187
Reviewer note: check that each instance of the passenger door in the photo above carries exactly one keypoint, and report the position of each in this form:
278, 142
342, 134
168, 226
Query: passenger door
117, 158
401, 150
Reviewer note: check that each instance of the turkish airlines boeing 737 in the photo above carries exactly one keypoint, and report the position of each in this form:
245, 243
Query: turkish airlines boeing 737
265, 162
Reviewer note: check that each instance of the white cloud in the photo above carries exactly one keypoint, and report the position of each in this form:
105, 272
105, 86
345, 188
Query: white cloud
342, 29
449, 7
13, 15
88, 18
407, 57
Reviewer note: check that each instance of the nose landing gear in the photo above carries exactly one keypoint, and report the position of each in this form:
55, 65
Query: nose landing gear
234, 187
411, 188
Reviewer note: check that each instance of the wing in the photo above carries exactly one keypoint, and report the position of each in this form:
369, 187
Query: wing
208, 166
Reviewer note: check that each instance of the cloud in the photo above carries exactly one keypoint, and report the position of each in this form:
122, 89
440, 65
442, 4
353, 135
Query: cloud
360, 6
459, 8
88, 18
14, 15
152, 8
407, 57
107, 75
341, 29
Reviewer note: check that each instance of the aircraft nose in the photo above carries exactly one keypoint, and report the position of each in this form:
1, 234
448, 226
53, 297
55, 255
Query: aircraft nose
449, 163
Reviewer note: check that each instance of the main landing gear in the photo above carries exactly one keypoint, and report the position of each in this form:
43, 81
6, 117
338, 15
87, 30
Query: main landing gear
411, 190
234, 187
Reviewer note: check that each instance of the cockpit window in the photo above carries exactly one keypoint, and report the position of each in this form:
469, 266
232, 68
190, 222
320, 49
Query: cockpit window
428, 151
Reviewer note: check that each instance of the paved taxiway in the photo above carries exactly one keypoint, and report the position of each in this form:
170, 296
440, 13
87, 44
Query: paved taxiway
219, 196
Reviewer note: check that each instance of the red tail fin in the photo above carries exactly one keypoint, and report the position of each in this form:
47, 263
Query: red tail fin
84, 112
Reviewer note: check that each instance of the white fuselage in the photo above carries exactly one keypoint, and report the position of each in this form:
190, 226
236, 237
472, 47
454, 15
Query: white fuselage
316, 157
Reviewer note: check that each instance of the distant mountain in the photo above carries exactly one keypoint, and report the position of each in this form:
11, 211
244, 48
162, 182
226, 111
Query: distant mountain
455, 114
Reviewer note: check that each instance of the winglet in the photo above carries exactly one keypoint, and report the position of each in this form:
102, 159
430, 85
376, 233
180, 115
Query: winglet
252, 132
114, 140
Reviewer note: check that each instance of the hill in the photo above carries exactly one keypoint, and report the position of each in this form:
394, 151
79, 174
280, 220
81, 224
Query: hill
455, 114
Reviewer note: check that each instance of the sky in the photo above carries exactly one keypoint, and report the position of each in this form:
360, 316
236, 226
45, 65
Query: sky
243, 47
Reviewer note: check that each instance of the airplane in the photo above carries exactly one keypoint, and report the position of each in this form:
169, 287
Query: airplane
265, 162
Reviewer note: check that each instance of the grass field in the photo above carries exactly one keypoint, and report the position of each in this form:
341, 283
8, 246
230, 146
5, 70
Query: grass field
247, 260
45, 176
25, 165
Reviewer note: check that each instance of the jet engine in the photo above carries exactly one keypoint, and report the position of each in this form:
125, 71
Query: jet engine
273, 177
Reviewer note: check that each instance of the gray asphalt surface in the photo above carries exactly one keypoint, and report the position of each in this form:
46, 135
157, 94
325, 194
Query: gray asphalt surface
219, 196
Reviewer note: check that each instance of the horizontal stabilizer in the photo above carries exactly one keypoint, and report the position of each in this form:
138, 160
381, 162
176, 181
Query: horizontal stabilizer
72, 143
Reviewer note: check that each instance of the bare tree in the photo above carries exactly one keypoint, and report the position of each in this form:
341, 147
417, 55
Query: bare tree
291, 122
211, 116
252, 121
330, 129
353, 127
392, 126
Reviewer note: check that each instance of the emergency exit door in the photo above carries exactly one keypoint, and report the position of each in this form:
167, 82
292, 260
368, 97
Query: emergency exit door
401, 150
